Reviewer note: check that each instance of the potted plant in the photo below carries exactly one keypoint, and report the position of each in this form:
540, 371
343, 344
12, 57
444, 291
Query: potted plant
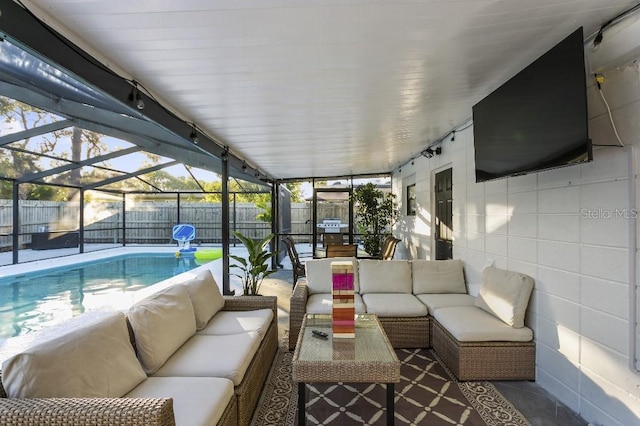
254, 268
376, 212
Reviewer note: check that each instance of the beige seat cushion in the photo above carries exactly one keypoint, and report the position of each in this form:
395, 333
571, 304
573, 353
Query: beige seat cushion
95, 360
323, 304
385, 276
225, 356
319, 277
161, 323
436, 301
205, 297
196, 400
234, 322
472, 324
505, 294
394, 305
438, 276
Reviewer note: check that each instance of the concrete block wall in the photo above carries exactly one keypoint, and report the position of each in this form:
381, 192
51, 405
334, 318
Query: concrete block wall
569, 229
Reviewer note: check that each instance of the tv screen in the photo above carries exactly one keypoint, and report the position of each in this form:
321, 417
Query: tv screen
538, 119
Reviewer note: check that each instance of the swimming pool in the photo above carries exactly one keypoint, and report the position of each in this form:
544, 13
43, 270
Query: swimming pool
35, 300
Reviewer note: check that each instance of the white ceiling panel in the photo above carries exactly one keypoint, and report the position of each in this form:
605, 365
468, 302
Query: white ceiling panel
308, 88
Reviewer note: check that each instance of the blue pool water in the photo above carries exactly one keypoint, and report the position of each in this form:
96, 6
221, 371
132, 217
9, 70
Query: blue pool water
35, 300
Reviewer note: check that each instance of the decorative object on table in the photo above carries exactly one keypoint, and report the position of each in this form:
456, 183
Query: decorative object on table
376, 211
254, 269
343, 300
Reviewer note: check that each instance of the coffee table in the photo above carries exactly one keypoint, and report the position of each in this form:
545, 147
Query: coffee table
367, 358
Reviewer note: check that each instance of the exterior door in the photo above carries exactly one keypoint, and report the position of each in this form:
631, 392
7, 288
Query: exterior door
444, 215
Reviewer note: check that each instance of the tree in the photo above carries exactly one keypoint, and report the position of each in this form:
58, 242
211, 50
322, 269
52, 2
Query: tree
376, 212
23, 157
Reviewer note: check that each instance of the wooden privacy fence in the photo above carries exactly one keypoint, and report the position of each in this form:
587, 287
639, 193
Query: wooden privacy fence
149, 222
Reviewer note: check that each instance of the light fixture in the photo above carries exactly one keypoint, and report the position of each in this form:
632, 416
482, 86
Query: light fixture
244, 167
136, 97
598, 39
194, 135
429, 152
453, 135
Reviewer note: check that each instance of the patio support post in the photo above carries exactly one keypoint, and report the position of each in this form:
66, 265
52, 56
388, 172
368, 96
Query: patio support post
275, 228
351, 217
314, 221
226, 288
235, 215
81, 227
124, 219
16, 223
178, 207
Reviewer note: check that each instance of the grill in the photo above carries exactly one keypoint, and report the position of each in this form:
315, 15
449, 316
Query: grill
332, 226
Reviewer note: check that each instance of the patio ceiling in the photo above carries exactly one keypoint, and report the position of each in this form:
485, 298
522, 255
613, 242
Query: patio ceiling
325, 87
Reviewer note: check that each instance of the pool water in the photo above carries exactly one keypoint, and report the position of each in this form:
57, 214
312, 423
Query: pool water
36, 300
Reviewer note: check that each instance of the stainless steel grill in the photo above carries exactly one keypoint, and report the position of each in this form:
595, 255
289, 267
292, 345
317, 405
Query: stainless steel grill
332, 226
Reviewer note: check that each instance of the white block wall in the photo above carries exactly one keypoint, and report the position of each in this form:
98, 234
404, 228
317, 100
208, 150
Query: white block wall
562, 227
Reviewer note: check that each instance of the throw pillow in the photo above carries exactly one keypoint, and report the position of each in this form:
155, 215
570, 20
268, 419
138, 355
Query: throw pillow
205, 297
161, 323
438, 276
505, 294
93, 360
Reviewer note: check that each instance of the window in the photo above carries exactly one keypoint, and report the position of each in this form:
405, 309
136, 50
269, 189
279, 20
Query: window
411, 200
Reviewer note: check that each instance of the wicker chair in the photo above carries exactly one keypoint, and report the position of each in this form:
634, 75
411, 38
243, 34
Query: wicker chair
388, 247
342, 250
297, 266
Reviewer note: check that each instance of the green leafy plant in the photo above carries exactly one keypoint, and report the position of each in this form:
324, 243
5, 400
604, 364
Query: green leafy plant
376, 212
265, 206
253, 269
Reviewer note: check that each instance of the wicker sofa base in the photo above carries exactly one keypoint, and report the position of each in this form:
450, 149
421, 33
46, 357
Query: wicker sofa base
248, 391
484, 360
230, 414
407, 332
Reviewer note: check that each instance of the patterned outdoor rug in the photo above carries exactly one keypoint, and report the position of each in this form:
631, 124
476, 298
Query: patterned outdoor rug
427, 394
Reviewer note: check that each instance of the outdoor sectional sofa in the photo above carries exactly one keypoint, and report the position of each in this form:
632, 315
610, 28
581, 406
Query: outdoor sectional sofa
423, 304
185, 355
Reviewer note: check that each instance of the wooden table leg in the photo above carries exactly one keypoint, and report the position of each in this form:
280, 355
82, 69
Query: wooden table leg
391, 408
302, 417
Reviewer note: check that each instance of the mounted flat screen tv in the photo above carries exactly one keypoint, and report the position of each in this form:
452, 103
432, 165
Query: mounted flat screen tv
538, 119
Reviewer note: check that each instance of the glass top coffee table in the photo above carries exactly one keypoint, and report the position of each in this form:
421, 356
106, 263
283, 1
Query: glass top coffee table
367, 358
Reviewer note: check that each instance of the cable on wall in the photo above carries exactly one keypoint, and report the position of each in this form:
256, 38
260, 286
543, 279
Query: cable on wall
599, 80
600, 34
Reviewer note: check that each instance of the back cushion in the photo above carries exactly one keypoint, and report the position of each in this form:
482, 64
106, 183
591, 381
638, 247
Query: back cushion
505, 294
205, 297
319, 277
94, 359
161, 323
385, 276
438, 276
